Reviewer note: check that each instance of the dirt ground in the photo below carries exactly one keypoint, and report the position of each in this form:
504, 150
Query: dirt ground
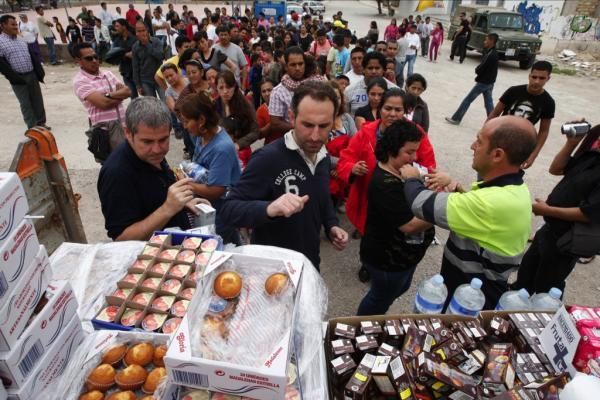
448, 83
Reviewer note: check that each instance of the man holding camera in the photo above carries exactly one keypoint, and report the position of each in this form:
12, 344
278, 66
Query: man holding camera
574, 200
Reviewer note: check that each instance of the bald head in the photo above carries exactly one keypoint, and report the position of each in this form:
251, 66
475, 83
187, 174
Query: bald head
515, 135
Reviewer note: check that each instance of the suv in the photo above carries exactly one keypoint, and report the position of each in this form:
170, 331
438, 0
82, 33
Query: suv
513, 42
315, 7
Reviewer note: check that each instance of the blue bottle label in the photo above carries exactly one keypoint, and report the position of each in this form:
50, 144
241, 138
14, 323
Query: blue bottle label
426, 307
456, 308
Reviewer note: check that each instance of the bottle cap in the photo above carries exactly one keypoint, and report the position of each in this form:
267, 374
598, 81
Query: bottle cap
524, 294
555, 293
437, 280
476, 283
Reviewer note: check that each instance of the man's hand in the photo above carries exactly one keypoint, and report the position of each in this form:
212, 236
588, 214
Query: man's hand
179, 194
360, 168
190, 205
129, 54
286, 205
408, 171
437, 180
539, 207
339, 237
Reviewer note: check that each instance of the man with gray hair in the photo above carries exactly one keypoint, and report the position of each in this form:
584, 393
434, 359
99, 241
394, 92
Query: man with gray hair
138, 191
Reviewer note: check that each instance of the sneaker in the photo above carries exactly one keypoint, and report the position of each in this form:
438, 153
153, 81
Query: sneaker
363, 274
451, 121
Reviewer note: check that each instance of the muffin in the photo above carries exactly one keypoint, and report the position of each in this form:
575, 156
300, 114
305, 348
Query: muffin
101, 378
128, 395
159, 355
114, 355
93, 395
153, 380
276, 284
228, 285
196, 395
141, 354
131, 378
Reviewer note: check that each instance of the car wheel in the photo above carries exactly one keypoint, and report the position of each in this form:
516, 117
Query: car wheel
527, 63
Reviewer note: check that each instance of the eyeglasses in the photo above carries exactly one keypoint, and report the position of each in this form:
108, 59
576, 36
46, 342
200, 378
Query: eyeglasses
91, 58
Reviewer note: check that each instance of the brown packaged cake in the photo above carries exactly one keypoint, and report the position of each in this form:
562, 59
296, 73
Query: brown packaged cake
344, 331
499, 374
400, 379
359, 386
371, 328
341, 346
379, 372
393, 333
388, 350
414, 342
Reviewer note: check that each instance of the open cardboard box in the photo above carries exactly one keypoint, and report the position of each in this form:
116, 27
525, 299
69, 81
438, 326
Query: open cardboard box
265, 382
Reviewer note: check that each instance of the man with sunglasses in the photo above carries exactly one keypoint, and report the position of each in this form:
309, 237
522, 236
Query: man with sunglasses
101, 93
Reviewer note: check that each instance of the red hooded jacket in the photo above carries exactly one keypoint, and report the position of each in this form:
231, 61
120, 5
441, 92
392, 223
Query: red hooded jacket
362, 148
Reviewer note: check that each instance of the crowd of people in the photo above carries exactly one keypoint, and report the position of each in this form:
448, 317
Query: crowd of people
343, 129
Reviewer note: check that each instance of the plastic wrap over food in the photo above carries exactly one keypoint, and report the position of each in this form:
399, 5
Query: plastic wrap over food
92, 270
93, 352
311, 311
237, 320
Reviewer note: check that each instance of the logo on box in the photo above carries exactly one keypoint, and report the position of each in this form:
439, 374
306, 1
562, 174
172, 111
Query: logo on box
219, 373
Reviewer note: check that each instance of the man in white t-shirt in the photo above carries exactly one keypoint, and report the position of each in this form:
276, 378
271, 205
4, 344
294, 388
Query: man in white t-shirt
355, 68
233, 52
414, 44
211, 30
30, 33
160, 26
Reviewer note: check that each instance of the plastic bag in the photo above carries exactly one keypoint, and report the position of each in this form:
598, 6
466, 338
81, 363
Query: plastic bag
88, 356
93, 270
308, 322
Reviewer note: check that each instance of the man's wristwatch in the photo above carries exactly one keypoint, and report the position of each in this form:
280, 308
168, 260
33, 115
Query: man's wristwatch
107, 95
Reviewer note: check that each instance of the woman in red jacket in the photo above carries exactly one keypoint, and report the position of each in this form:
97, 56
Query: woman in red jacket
357, 161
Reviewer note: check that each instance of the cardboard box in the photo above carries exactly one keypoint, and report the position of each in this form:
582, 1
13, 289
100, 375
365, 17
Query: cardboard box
52, 365
19, 306
265, 382
43, 331
13, 203
17, 253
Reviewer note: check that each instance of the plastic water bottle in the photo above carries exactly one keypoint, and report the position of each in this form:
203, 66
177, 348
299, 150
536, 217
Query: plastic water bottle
468, 299
514, 300
431, 296
547, 301
195, 171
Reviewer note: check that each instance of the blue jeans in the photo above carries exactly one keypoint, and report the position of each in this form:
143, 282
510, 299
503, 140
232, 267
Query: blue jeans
479, 88
410, 60
51, 50
386, 287
131, 85
153, 90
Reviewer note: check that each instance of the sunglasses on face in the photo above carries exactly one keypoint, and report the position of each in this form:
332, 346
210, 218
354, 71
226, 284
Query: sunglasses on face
91, 58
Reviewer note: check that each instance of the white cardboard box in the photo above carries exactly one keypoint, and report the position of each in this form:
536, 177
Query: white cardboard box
13, 203
16, 308
3, 394
16, 252
52, 365
43, 331
267, 382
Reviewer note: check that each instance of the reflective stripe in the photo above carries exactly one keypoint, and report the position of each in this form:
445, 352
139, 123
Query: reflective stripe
440, 210
497, 276
469, 267
500, 259
417, 205
494, 258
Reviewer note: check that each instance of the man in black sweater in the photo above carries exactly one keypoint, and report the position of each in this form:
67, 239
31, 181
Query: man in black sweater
283, 193
486, 73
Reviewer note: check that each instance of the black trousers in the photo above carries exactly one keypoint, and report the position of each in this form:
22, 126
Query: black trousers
459, 48
544, 266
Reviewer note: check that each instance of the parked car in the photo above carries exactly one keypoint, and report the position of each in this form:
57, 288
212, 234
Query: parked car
315, 7
293, 7
513, 42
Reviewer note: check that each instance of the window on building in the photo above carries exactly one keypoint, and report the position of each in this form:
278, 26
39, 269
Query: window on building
482, 2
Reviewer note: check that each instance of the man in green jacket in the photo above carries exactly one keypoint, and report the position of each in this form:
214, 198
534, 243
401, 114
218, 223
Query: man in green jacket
489, 225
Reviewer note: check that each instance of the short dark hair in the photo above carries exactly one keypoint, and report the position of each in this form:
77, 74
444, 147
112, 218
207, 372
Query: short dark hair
167, 66
292, 50
380, 82
342, 77
517, 143
222, 28
200, 35
358, 50
38, 8
383, 42
316, 90
338, 39
5, 18
416, 78
374, 55
80, 46
196, 105
493, 36
395, 137
181, 40
542, 66
321, 32
407, 100
214, 18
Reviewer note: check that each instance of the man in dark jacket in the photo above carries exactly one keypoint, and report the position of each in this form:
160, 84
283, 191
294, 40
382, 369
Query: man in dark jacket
283, 193
486, 73
148, 56
23, 70
124, 40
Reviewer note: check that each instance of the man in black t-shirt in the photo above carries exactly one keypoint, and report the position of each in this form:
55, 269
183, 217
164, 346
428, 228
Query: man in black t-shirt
575, 199
530, 101
460, 40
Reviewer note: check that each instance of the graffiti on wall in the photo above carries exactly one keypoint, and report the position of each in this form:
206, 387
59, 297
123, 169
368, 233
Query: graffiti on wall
538, 16
575, 28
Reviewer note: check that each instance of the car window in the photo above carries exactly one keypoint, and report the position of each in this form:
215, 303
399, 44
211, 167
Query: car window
482, 22
506, 21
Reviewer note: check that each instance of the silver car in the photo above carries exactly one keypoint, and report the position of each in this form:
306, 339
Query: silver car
315, 7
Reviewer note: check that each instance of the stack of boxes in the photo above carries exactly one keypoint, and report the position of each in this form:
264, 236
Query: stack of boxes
39, 326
